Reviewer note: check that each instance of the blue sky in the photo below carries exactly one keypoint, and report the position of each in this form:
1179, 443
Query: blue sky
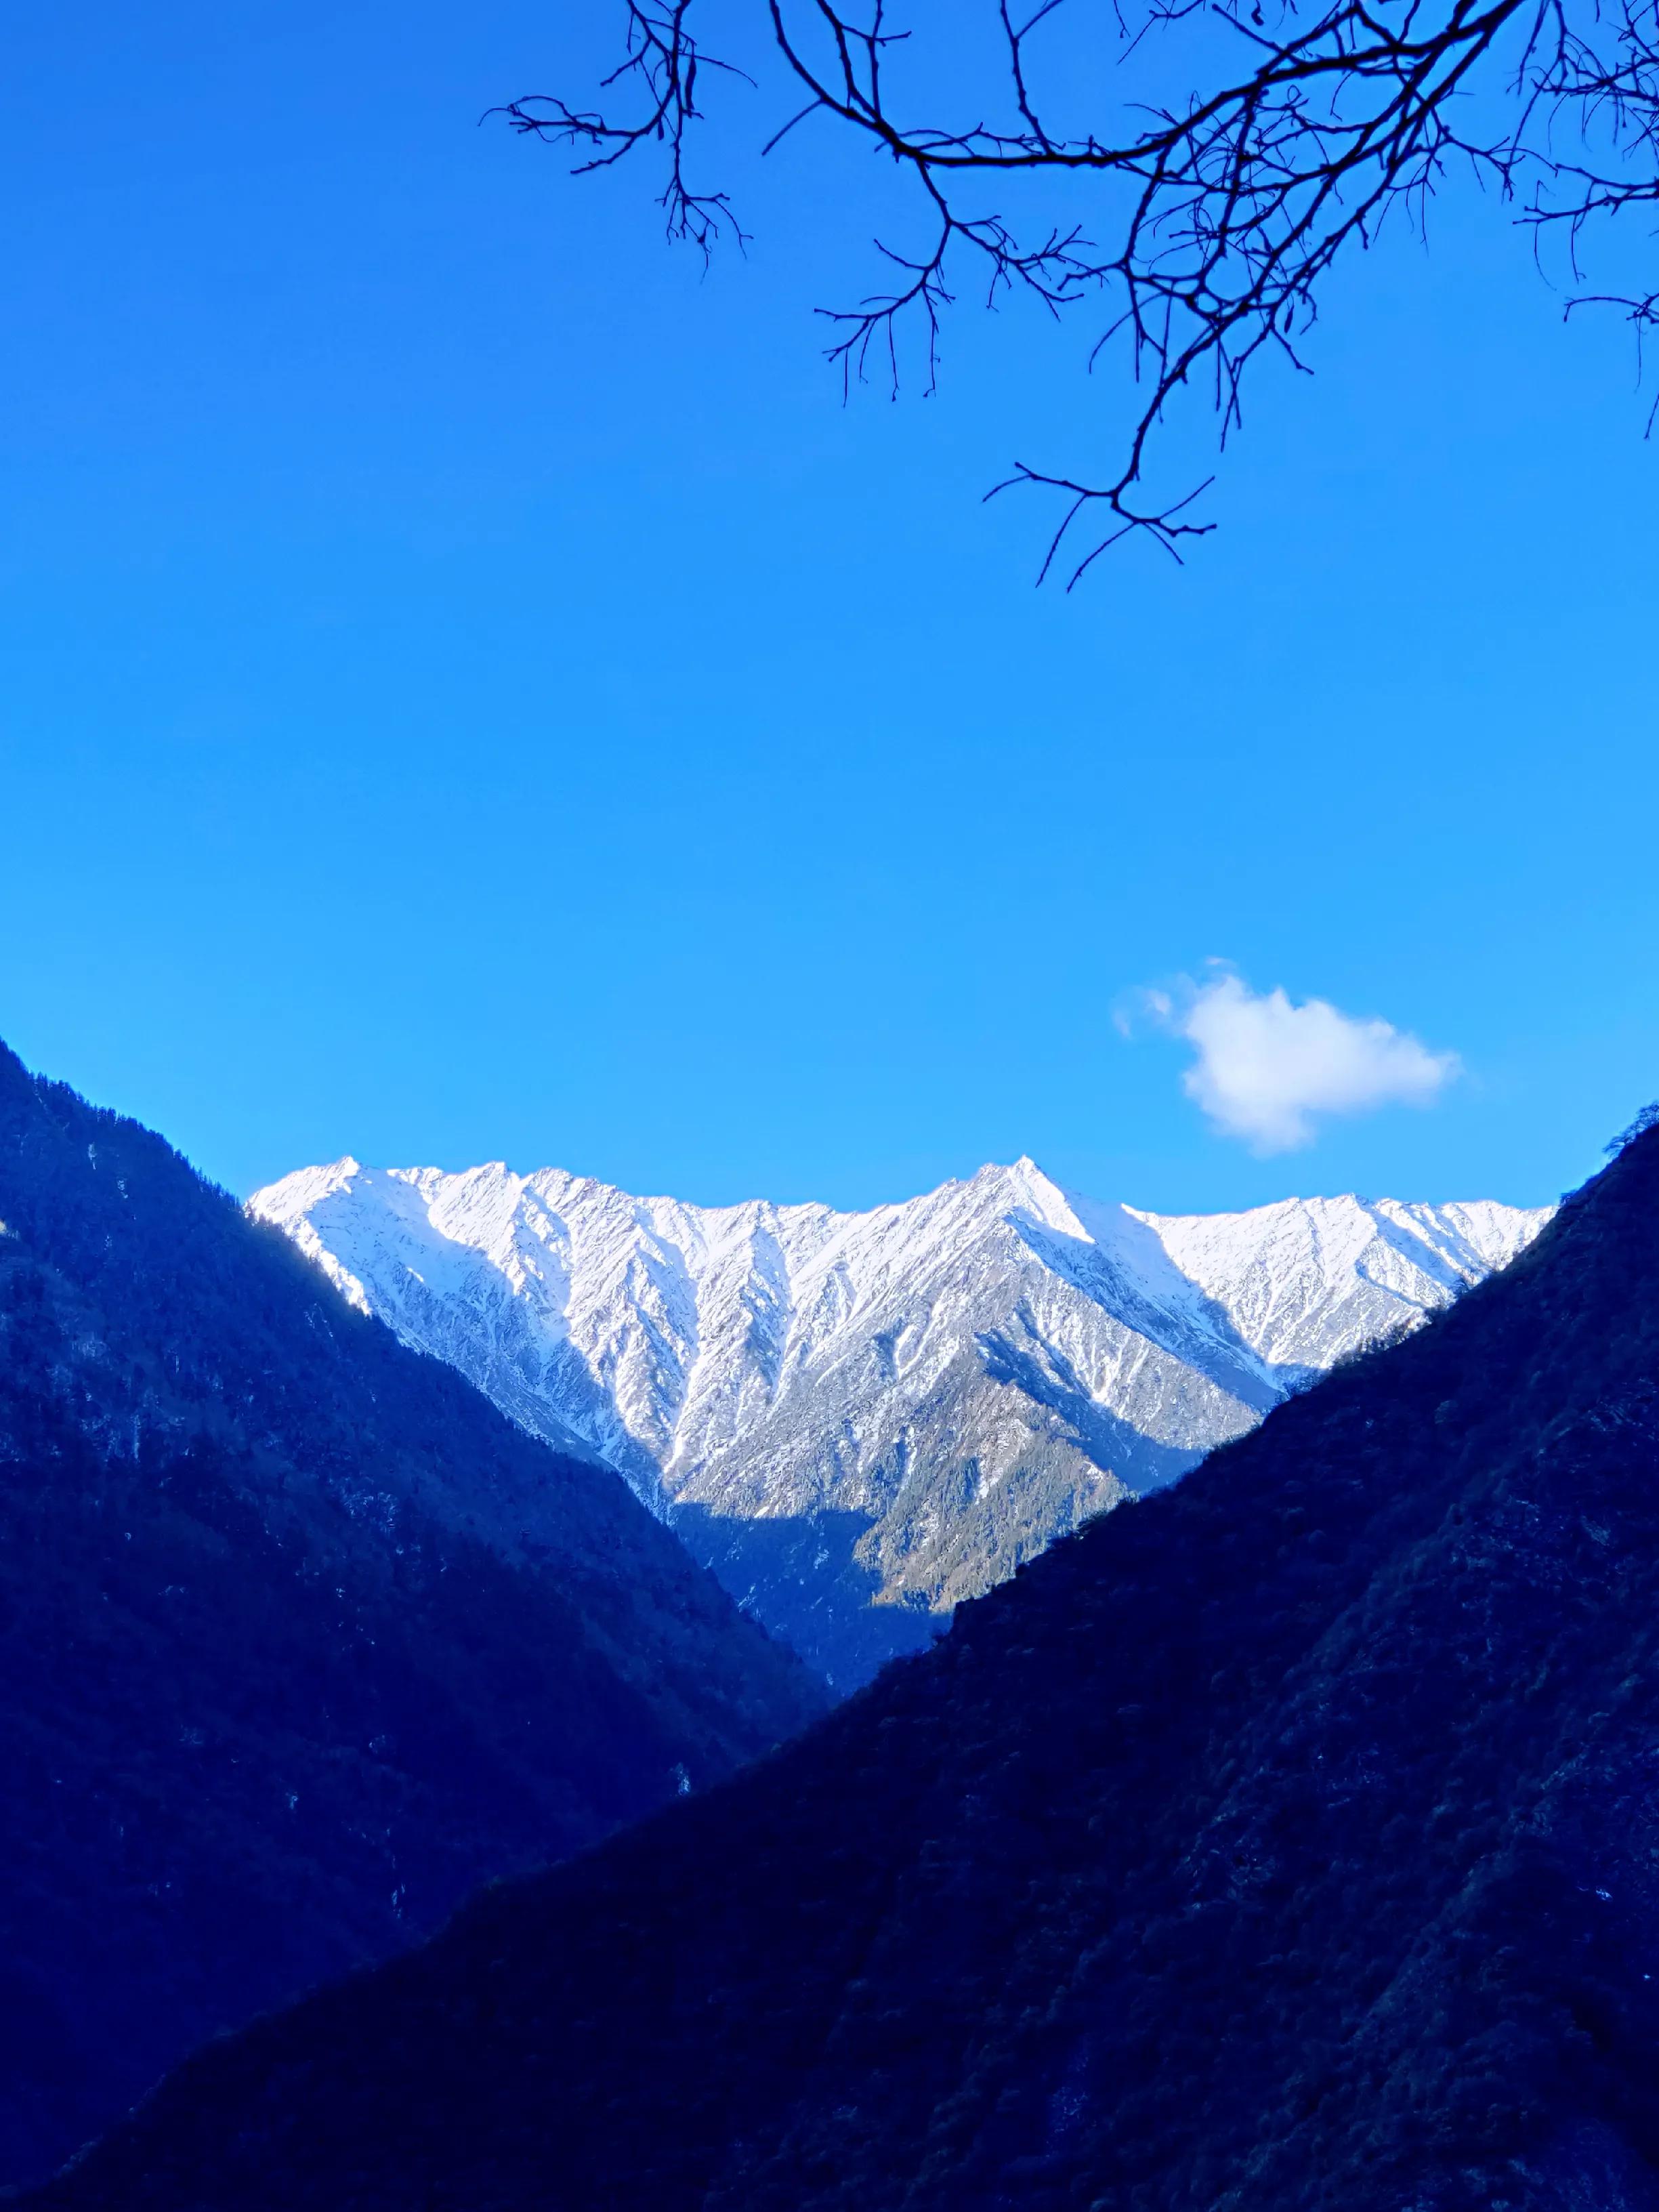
471, 691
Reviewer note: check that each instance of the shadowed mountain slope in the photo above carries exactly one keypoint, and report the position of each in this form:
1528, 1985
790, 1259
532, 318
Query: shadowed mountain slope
1288, 1840
300, 1638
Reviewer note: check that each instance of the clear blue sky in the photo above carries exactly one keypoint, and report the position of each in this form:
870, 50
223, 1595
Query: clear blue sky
471, 691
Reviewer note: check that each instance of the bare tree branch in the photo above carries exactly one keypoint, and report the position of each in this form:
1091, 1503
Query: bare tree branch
1223, 211
658, 67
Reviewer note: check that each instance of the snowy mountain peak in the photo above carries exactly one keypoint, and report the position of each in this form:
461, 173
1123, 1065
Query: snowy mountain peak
858, 1418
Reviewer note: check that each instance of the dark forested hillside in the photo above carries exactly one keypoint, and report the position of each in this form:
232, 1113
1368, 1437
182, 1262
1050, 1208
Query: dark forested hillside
1290, 1839
299, 1638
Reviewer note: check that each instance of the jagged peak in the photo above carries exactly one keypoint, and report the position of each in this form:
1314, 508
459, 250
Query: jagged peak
763, 1361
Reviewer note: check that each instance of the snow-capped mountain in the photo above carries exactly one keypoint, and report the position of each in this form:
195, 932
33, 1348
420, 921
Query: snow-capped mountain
859, 1419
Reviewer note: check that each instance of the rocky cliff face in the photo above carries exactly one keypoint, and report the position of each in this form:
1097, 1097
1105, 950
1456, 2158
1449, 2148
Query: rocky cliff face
860, 1419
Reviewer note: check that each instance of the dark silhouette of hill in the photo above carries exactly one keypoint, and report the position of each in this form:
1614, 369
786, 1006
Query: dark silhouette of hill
1287, 1840
300, 1638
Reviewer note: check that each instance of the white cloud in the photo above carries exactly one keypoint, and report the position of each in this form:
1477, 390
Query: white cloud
1266, 1067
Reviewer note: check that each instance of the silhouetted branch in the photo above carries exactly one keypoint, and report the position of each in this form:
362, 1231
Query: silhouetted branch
1223, 211
659, 67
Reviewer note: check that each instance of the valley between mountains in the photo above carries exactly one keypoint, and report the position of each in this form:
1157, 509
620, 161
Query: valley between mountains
857, 1420
306, 1642
1285, 1841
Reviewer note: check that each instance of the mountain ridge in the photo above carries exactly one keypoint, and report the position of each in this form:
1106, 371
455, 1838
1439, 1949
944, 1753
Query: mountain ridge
302, 1639
857, 1419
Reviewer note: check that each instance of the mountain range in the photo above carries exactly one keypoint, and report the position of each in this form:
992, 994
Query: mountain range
1285, 1839
302, 1639
857, 1420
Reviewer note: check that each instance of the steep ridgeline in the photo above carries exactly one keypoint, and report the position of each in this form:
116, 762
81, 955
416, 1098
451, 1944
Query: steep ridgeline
1285, 1840
301, 1639
857, 1420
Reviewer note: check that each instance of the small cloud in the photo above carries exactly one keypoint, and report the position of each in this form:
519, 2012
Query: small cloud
1266, 1067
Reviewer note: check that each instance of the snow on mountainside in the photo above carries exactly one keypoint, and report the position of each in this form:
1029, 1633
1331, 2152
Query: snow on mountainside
859, 1419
